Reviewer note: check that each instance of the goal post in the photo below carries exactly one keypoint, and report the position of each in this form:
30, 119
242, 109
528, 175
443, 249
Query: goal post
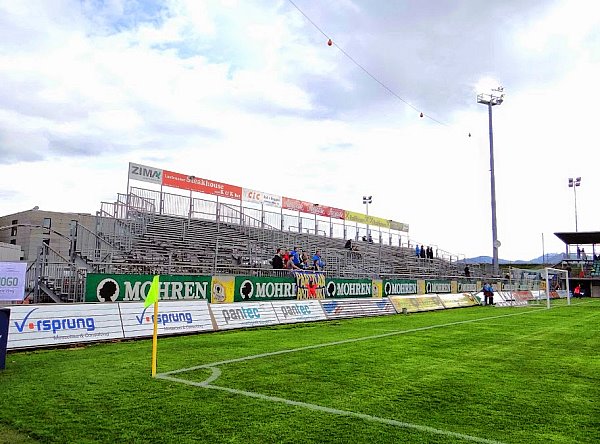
537, 284
548, 272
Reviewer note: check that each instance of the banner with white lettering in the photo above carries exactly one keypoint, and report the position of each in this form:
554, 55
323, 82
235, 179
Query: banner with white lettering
173, 317
298, 311
134, 287
12, 281
56, 324
242, 315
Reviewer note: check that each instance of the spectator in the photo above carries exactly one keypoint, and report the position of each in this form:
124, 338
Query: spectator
290, 265
488, 294
304, 262
467, 271
318, 263
348, 244
277, 261
583, 255
370, 238
578, 252
364, 238
423, 252
418, 251
295, 256
285, 256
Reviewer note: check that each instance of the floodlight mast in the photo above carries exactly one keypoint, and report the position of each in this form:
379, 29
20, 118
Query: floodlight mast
492, 100
574, 183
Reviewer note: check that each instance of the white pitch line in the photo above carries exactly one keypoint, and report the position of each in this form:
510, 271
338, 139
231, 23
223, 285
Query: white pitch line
216, 373
320, 408
344, 341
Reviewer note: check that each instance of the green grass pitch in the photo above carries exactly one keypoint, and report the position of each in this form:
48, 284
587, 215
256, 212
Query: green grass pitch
481, 374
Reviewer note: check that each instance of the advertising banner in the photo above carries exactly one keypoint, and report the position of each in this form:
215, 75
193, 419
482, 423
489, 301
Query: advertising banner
356, 217
437, 286
414, 304
454, 300
55, 324
254, 288
298, 311
244, 314
354, 308
337, 213
4, 321
134, 287
206, 186
223, 289
398, 226
396, 287
173, 317
12, 281
310, 285
466, 286
260, 197
320, 210
295, 205
348, 288
377, 288
145, 173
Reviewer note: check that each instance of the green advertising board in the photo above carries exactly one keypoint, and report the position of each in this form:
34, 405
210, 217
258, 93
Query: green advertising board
398, 287
134, 287
467, 286
348, 288
254, 288
438, 286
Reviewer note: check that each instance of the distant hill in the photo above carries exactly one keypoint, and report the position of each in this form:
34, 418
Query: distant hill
551, 258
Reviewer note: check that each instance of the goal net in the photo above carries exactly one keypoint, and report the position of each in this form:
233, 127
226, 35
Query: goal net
539, 286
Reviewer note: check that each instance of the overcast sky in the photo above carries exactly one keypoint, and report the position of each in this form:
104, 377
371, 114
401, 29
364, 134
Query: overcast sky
249, 93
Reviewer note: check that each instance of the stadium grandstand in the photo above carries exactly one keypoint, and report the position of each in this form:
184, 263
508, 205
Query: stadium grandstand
217, 229
151, 231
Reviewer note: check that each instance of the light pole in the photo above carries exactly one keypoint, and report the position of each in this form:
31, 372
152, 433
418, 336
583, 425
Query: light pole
574, 183
491, 100
367, 200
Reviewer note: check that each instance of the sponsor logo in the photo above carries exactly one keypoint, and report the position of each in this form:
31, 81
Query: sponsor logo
396, 288
295, 311
333, 308
218, 292
382, 305
54, 325
438, 287
249, 289
240, 314
462, 287
109, 290
165, 319
10, 281
349, 289
144, 173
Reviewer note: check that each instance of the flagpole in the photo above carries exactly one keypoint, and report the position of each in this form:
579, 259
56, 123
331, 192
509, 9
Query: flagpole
155, 339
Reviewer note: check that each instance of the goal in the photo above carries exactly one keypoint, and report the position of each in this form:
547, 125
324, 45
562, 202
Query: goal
538, 286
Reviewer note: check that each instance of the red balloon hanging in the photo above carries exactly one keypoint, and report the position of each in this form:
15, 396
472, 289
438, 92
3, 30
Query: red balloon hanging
329, 42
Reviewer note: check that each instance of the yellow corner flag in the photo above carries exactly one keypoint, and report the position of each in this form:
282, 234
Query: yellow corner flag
152, 298
152, 295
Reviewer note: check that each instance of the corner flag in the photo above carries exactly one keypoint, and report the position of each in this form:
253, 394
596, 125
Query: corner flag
152, 298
